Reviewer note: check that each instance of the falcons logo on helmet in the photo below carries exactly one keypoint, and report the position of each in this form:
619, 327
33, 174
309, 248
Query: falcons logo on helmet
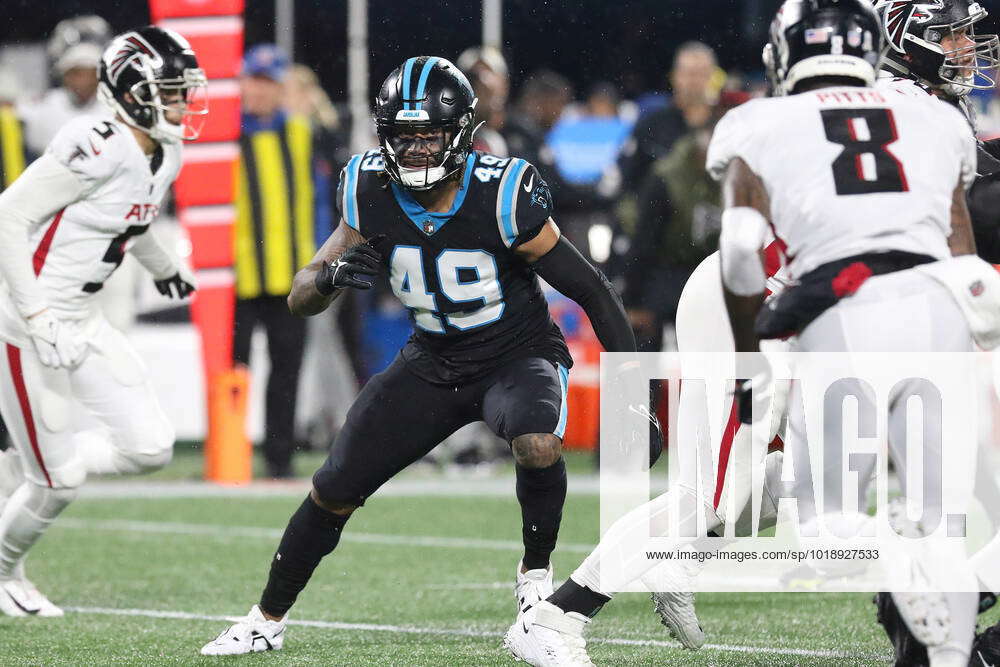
898, 15
130, 47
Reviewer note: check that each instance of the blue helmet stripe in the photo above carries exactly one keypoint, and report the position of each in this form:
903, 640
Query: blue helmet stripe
424, 73
407, 71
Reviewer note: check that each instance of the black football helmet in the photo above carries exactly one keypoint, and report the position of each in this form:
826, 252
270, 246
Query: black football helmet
934, 42
810, 39
146, 74
425, 117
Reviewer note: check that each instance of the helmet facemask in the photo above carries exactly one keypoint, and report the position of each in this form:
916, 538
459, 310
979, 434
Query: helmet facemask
934, 42
419, 155
969, 61
177, 107
151, 80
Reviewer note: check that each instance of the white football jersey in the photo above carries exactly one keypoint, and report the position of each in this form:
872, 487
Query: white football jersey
79, 248
851, 170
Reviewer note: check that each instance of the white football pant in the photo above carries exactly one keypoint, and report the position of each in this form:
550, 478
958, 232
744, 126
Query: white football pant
905, 311
55, 456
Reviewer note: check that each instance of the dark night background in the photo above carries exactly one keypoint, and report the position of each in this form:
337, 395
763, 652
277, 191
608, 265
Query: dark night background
628, 42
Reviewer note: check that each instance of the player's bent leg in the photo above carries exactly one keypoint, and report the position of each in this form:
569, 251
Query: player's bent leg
28, 514
541, 492
397, 419
525, 403
34, 405
610, 567
25, 518
312, 533
113, 384
944, 622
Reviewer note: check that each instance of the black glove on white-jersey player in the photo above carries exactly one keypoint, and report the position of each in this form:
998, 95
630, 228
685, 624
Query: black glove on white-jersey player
177, 286
350, 269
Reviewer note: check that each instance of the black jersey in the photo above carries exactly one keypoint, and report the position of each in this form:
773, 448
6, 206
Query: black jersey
474, 303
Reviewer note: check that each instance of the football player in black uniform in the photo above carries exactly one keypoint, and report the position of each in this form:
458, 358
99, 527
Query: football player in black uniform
463, 237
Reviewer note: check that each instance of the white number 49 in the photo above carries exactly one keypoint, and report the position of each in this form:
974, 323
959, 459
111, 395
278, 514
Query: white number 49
406, 275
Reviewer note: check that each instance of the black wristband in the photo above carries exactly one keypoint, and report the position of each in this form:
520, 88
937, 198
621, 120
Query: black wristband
324, 281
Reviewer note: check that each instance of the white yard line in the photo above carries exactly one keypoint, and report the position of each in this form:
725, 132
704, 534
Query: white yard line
273, 534
461, 632
493, 487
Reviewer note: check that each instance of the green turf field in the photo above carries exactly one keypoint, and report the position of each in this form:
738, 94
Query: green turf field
417, 580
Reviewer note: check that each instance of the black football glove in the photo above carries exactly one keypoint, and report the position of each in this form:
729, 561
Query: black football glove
356, 268
176, 286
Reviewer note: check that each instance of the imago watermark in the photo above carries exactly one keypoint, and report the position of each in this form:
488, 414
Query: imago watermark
837, 471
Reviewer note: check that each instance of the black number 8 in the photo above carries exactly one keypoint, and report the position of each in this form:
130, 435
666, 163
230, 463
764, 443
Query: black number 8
850, 173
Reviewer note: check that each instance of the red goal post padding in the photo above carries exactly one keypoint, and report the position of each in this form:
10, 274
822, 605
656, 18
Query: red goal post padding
168, 9
205, 193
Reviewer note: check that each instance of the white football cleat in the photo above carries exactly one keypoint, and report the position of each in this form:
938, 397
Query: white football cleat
34, 598
674, 602
546, 636
19, 597
252, 634
532, 587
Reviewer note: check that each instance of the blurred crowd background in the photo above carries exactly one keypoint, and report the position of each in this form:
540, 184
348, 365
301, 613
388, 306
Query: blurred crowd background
613, 101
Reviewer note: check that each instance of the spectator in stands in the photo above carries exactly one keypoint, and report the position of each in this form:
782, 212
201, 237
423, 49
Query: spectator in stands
486, 69
695, 82
275, 235
585, 142
587, 139
74, 52
679, 218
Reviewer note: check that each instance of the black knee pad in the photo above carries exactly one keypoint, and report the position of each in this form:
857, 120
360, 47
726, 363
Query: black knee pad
333, 489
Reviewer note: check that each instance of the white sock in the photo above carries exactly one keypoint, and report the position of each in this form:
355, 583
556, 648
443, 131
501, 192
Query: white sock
27, 515
616, 547
11, 475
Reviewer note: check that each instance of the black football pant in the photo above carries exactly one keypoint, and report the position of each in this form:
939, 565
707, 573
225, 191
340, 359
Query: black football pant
285, 345
399, 417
